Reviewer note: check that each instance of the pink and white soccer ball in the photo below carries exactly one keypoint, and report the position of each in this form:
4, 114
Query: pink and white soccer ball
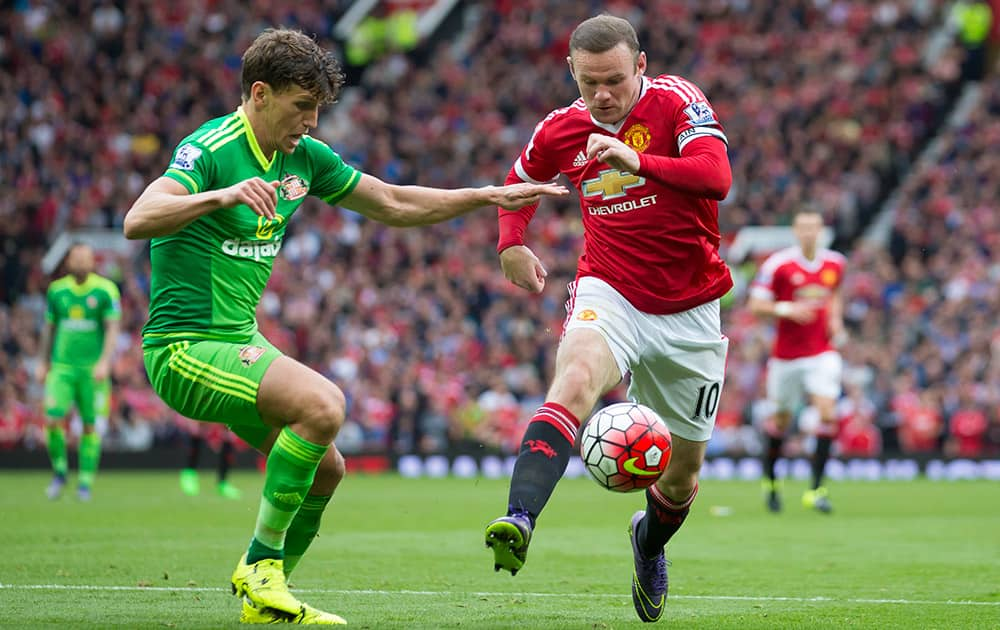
625, 447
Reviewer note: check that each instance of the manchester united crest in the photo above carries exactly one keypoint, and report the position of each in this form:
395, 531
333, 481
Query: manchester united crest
638, 137
828, 277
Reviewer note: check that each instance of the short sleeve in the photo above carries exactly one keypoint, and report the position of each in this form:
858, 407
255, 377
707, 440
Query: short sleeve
763, 283
113, 309
693, 116
535, 164
192, 166
50, 307
332, 178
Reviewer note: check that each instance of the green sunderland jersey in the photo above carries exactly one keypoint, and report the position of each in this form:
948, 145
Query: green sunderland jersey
208, 278
77, 312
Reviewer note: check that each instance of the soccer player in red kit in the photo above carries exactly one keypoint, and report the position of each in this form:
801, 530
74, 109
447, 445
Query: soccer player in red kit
800, 287
648, 157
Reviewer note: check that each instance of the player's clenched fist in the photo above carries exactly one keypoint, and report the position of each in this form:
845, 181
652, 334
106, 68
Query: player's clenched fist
514, 196
255, 193
612, 152
522, 268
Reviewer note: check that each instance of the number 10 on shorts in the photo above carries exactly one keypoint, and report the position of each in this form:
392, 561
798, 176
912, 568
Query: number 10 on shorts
708, 401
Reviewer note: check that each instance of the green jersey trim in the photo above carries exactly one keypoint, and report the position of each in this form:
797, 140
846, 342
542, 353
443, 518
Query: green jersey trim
184, 179
252, 141
226, 127
221, 142
82, 288
345, 190
195, 335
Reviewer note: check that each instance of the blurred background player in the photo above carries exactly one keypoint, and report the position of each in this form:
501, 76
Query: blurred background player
649, 159
800, 287
82, 318
216, 437
217, 218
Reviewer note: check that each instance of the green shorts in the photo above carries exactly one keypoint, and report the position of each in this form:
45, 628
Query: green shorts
69, 385
214, 381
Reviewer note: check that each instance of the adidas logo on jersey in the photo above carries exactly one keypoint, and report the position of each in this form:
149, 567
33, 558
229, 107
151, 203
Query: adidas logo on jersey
579, 160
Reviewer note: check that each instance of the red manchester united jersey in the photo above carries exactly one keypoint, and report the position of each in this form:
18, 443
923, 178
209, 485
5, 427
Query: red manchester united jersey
658, 246
788, 276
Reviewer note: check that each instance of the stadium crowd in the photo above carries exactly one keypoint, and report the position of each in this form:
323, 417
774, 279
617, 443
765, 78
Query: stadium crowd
825, 103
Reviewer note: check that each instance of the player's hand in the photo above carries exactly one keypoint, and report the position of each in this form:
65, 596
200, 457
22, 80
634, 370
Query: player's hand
42, 371
838, 334
612, 152
798, 312
514, 196
102, 369
255, 193
522, 268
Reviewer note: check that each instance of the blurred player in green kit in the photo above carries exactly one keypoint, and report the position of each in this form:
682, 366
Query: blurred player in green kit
78, 339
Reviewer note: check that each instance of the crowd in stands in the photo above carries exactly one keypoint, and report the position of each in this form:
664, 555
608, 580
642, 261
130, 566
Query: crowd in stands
825, 103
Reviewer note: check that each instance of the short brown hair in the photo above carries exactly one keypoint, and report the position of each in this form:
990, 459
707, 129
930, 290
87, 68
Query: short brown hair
284, 57
602, 33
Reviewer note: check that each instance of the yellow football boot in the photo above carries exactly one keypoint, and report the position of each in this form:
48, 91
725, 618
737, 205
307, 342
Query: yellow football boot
818, 500
307, 615
263, 584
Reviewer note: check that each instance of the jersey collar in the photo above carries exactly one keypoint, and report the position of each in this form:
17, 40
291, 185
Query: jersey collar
615, 128
805, 263
262, 161
81, 288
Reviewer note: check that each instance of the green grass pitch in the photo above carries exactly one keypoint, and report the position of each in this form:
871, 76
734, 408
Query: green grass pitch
408, 553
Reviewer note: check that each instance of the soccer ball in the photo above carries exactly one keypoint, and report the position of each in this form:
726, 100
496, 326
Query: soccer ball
625, 447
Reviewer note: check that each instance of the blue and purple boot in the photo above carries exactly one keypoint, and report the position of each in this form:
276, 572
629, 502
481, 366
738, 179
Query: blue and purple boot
649, 579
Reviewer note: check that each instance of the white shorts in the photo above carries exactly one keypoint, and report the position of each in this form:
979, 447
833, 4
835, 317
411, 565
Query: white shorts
677, 361
789, 381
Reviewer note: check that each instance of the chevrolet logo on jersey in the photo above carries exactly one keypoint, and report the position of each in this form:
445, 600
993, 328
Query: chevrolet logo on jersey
611, 184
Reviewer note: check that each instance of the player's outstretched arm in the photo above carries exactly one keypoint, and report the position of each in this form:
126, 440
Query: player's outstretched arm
405, 206
166, 206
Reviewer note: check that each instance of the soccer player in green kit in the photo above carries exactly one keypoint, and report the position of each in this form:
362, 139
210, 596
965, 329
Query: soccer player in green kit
216, 219
82, 320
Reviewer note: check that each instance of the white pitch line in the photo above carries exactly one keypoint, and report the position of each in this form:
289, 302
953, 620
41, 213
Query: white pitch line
744, 598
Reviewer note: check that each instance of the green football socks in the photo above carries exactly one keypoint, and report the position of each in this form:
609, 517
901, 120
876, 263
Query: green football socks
291, 468
303, 529
90, 455
57, 449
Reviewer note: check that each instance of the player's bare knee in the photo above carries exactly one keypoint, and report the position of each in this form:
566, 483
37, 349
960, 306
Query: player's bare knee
333, 408
330, 472
680, 478
323, 411
678, 487
576, 388
827, 412
337, 466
